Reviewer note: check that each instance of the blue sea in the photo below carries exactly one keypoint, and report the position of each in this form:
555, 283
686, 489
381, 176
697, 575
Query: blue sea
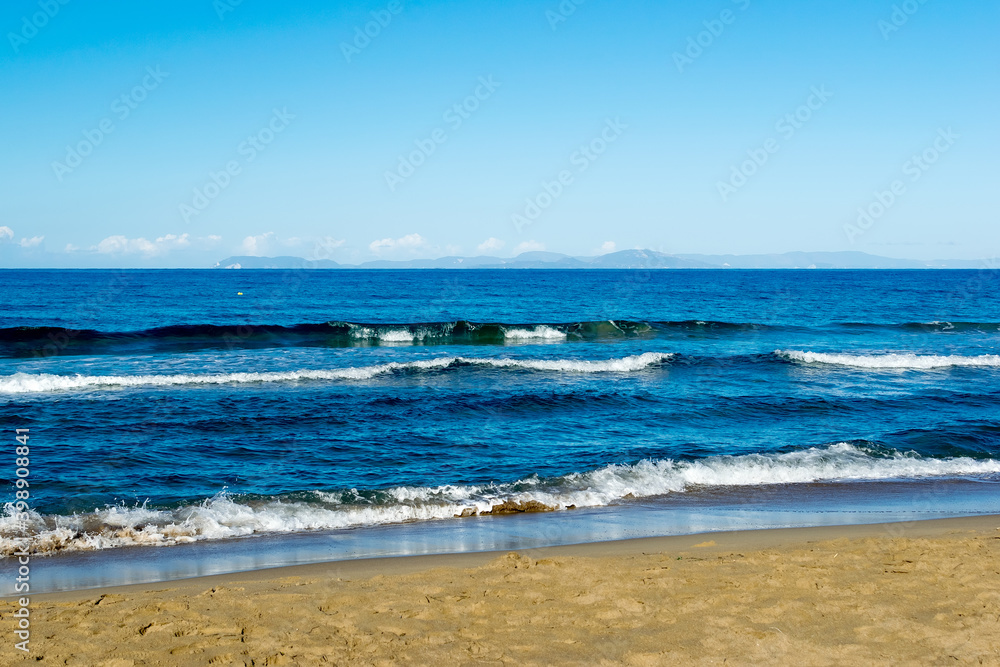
233, 407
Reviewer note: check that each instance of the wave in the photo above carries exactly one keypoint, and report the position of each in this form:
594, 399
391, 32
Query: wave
898, 361
25, 383
48, 341
226, 516
936, 326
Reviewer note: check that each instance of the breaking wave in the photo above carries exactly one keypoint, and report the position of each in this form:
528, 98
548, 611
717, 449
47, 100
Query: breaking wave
27, 341
25, 383
902, 360
226, 516
49, 341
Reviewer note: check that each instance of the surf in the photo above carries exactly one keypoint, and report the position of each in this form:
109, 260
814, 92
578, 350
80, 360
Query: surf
227, 516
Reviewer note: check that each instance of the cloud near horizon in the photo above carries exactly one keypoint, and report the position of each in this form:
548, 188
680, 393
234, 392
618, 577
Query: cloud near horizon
268, 243
324, 246
119, 244
256, 246
410, 243
529, 246
491, 244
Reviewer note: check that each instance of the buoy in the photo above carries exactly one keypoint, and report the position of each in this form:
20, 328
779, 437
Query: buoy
239, 294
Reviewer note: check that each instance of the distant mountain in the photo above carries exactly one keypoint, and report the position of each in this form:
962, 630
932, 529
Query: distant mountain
247, 262
624, 259
646, 259
824, 260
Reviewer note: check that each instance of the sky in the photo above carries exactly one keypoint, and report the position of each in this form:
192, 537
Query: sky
177, 134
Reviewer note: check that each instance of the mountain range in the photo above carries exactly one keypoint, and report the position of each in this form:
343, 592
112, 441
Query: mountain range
623, 259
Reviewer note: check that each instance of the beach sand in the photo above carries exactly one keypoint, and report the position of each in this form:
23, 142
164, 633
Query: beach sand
918, 593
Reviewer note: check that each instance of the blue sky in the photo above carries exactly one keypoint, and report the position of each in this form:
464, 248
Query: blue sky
179, 134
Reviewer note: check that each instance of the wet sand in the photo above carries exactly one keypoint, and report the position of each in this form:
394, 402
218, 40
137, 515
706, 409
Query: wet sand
916, 593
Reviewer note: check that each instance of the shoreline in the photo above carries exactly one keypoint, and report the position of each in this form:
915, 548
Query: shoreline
764, 508
922, 592
752, 539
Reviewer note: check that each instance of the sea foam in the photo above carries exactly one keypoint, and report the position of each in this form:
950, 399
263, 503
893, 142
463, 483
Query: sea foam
224, 515
541, 332
25, 383
901, 360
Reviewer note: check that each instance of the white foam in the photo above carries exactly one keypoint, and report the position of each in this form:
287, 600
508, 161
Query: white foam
24, 383
621, 365
540, 332
397, 336
904, 360
223, 516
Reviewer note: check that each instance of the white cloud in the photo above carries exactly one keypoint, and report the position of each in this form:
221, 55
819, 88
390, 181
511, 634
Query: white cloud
528, 246
256, 245
6, 234
266, 244
608, 246
32, 242
490, 244
210, 242
172, 242
409, 242
324, 247
71, 248
121, 245
330, 242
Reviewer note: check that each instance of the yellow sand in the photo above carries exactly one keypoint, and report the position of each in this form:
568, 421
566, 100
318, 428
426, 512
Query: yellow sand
922, 593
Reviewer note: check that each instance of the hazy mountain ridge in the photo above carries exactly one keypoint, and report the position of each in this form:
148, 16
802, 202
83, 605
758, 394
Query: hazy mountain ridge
623, 259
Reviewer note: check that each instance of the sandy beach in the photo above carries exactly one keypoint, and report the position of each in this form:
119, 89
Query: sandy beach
916, 593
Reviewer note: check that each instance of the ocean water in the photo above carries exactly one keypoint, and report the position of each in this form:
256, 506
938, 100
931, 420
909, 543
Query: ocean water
171, 407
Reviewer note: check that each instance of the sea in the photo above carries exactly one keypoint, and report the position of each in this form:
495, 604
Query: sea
185, 422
